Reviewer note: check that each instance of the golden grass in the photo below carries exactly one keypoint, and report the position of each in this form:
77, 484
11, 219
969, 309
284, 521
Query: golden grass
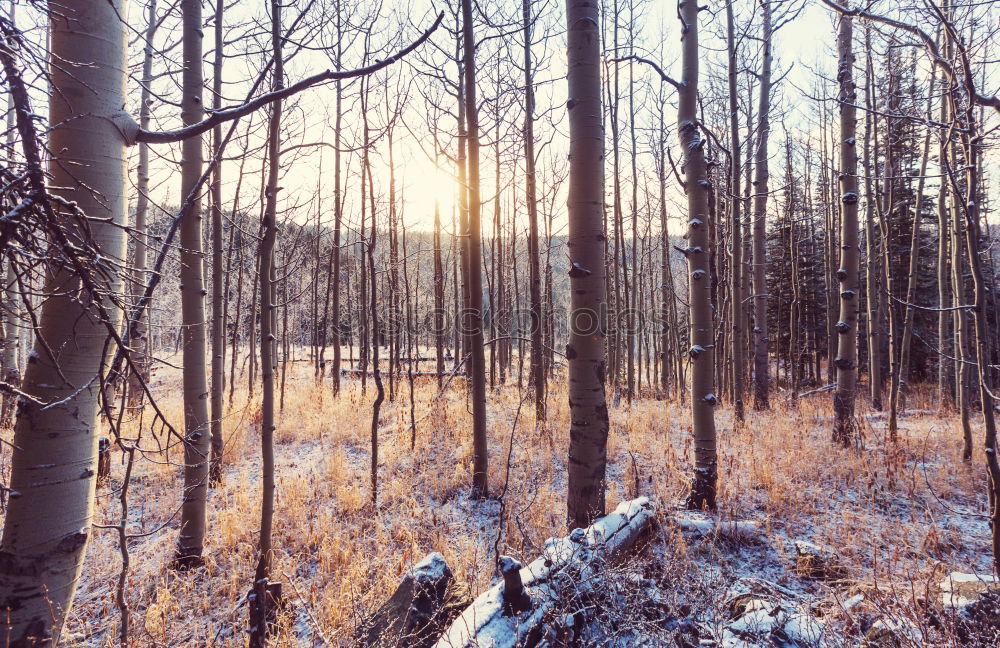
880, 508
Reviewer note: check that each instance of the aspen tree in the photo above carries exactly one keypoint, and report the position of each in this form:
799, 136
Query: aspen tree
736, 223
56, 432
630, 285
844, 427
439, 285
946, 390
369, 260
139, 333
874, 309
439, 281
473, 320
531, 201
10, 341
191, 539
586, 245
615, 269
261, 602
218, 321
697, 187
761, 383
890, 172
338, 204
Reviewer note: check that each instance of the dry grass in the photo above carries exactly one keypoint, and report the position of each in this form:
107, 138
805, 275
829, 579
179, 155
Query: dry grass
884, 509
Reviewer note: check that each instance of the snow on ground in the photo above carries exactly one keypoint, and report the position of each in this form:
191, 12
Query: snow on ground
899, 518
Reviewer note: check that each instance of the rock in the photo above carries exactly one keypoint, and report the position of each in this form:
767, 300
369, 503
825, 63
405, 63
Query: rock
73, 640
763, 614
813, 561
980, 622
893, 632
426, 600
959, 590
804, 629
975, 599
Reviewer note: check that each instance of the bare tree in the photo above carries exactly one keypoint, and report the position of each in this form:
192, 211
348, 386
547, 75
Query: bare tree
473, 316
54, 469
697, 187
845, 425
761, 381
197, 438
531, 202
585, 350
262, 600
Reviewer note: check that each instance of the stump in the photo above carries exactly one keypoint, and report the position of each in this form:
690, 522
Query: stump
263, 603
103, 459
426, 600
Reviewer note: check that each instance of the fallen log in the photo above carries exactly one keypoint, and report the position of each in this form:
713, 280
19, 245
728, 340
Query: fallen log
369, 372
510, 614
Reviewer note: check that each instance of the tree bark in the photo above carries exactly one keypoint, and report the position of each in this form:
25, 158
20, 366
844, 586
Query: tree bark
53, 469
534, 270
473, 319
697, 187
218, 322
899, 380
191, 540
586, 244
845, 424
10, 340
338, 213
736, 222
874, 310
761, 382
262, 601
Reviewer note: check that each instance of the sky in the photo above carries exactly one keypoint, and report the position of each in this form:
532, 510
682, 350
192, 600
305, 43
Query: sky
802, 47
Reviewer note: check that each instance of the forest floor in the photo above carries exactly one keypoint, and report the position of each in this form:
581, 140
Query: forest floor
898, 518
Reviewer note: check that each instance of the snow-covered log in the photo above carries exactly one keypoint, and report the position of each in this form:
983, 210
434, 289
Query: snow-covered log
493, 621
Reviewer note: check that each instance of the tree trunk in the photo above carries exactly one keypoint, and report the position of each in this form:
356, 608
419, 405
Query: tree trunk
899, 383
946, 377
54, 469
760, 336
338, 216
191, 540
218, 323
736, 220
438, 291
697, 188
473, 320
261, 603
138, 336
874, 311
376, 332
585, 199
534, 271
845, 425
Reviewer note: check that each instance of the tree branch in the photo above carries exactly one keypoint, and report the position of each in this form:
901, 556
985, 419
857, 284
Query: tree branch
222, 116
638, 59
930, 44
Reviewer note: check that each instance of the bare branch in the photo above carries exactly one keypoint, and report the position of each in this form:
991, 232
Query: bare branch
165, 137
